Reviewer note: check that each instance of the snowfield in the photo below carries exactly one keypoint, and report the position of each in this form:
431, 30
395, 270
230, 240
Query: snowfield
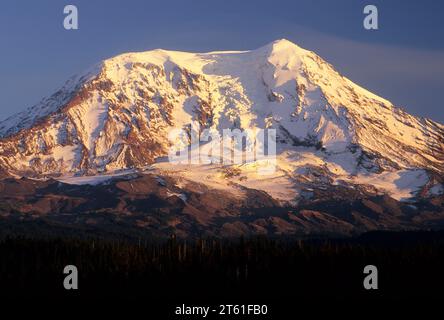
118, 115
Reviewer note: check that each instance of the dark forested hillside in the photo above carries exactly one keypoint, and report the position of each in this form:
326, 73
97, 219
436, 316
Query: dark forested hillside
409, 265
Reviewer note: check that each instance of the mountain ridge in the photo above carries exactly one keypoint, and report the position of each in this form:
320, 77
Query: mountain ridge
92, 157
117, 116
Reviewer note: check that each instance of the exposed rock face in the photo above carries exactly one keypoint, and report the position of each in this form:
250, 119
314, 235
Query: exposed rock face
118, 115
146, 205
346, 158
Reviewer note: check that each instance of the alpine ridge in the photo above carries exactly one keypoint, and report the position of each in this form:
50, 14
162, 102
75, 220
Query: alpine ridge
117, 116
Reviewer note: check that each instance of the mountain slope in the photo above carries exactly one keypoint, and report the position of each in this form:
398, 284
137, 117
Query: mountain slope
330, 131
149, 205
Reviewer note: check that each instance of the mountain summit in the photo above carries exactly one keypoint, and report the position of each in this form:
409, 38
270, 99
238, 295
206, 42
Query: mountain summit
347, 160
118, 115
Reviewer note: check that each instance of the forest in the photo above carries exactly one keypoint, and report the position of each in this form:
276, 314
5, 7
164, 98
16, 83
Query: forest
409, 265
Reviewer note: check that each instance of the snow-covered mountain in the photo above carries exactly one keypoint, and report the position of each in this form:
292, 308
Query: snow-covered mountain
330, 131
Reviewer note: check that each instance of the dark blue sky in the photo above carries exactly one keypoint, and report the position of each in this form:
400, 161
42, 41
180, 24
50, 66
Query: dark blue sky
403, 61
